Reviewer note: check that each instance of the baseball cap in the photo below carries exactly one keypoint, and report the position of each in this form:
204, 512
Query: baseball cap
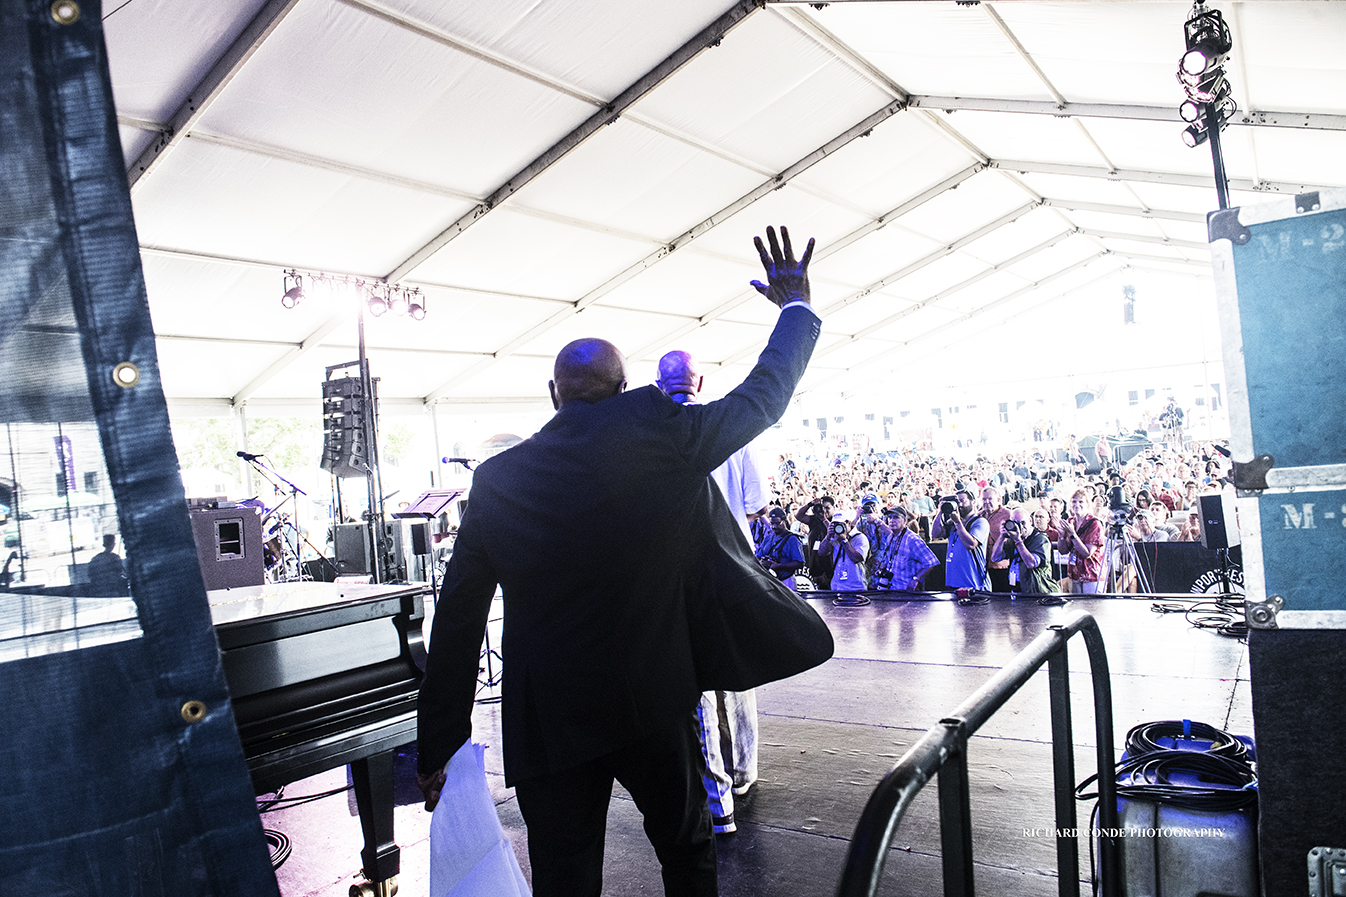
776, 513
839, 518
869, 499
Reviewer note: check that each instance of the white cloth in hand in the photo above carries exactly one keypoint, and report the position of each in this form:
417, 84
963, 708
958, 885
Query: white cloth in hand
469, 853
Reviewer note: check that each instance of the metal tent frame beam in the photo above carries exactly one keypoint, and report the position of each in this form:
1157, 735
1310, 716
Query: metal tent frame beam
864, 230
710, 36
1148, 177
682, 240
962, 319
230, 63
1268, 119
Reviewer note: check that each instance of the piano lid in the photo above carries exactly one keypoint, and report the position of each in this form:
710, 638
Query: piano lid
247, 603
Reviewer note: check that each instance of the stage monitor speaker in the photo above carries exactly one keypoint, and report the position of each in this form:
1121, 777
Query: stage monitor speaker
1219, 526
229, 547
420, 538
352, 548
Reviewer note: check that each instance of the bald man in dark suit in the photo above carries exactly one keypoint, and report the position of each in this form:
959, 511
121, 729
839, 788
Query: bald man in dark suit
617, 556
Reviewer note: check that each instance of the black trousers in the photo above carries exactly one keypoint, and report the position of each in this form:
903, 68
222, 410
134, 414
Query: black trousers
566, 814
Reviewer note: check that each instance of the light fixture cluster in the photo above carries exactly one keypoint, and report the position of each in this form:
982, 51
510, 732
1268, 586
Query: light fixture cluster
379, 296
1209, 104
406, 301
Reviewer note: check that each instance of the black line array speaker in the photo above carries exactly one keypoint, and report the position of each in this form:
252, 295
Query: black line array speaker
345, 414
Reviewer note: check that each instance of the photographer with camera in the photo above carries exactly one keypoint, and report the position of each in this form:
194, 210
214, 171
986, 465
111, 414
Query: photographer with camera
967, 532
1026, 546
867, 521
1082, 539
996, 515
780, 553
904, 559
817, 516
846, 548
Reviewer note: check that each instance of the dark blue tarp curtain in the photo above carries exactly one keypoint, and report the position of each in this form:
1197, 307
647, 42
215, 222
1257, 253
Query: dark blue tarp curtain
108, 787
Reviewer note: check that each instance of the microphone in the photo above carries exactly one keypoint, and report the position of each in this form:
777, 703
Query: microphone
1221, 449
466, 462
246, 456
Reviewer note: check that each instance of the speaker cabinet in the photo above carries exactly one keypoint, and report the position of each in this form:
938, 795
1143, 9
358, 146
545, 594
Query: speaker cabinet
229, 547
346, 411
1219, 525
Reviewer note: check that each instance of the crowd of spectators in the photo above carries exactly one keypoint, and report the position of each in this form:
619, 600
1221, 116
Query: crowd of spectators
1024, 521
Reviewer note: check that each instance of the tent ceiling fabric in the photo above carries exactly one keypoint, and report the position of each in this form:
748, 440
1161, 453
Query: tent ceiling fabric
548, 169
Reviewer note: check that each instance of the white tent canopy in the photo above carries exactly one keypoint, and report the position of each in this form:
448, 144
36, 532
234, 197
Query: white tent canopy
542, 170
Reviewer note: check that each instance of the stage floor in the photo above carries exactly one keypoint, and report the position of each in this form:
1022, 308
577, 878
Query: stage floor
829, 735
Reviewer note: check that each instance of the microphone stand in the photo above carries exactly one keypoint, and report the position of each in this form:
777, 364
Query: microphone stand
290, 551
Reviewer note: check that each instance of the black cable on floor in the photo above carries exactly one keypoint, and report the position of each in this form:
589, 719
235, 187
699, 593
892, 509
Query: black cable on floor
280, 847
850, 600
281, 803
265, 804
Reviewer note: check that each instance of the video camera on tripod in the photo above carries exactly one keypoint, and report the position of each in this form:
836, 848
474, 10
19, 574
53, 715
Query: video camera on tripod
1120, 509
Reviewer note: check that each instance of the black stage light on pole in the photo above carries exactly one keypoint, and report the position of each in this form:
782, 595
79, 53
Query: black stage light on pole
1196, 134
1208, 41
1209, 104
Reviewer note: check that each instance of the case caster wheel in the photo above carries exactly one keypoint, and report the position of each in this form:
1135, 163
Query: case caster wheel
385, 888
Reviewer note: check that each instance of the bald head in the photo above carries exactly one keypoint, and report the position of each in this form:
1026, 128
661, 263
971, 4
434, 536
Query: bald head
679, 376
587, 370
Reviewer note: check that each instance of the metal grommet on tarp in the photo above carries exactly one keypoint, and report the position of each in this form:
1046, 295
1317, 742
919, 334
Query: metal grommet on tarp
194, 711
126, 375
65, 12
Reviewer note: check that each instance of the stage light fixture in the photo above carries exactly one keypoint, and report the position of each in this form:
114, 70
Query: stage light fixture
417, 307
377, 302
1195, 135
1190, 111
294, 290
1208, 88
1208, 41
379, 297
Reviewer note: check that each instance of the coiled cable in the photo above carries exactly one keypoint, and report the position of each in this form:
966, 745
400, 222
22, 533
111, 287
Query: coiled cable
1144, 738
1148, 777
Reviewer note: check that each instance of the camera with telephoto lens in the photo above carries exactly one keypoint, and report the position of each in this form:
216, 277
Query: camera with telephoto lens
839, 529
948, 507
1119, 509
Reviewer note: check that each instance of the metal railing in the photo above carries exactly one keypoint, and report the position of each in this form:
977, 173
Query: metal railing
943, 751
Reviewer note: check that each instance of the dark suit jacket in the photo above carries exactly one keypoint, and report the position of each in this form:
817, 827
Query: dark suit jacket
609, 541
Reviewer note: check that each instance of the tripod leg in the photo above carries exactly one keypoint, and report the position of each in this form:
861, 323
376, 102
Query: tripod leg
1142, 579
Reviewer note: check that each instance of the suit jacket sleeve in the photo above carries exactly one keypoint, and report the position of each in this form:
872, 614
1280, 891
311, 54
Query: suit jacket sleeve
444, 707
714, 431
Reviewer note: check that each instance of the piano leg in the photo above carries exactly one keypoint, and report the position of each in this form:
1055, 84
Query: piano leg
382, 858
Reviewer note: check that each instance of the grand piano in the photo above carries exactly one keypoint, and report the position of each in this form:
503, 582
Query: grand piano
323, 675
